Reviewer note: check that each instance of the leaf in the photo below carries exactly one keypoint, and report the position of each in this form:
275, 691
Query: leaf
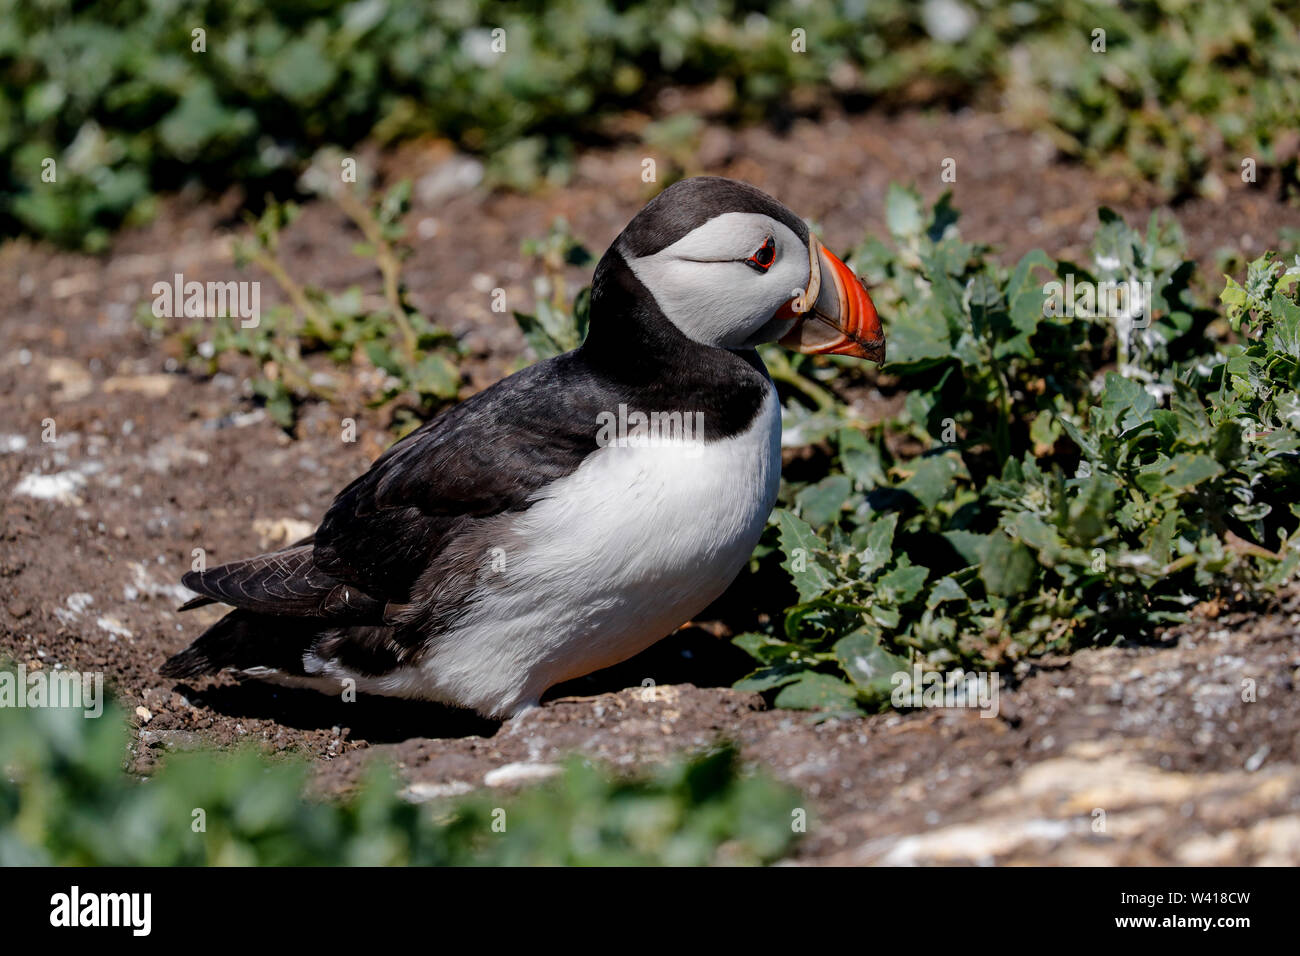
763, 648
819, 504
902, 584
867, 663
1160, 539
815, 691
919, 336
1285, 334
860, 458
886, 616
1007, 568
198, 119
903, 212
581, 304
537, 337
1127, 402
942, 216
1037, 534
301, 72
768, 678
1189, 470
945, 589
435, 375
879, 545
933, 478
803, 550
801, 426
1024, 292
1288, 409
1087, 442
1091, 511
1227, 443
1234, 297
382, 357
985, 299
1045, 430
969, 545
279, 403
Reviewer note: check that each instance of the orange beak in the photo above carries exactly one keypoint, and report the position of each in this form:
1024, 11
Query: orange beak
835, 315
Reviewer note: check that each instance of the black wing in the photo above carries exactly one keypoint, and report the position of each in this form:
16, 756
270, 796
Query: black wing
486, 456
490, 454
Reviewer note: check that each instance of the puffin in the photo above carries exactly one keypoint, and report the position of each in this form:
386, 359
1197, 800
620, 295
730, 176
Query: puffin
575, 512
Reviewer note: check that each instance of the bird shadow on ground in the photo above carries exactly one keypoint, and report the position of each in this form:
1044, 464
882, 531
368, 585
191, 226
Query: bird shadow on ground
692, 655
373, 719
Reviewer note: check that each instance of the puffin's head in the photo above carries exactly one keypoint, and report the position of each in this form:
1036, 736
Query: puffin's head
731, 267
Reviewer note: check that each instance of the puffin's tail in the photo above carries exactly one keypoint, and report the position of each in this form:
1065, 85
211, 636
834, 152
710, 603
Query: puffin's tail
283, 605
244, 640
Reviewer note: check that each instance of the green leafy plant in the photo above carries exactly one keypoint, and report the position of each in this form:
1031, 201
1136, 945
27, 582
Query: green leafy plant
65, 800
413, 364
1059, 477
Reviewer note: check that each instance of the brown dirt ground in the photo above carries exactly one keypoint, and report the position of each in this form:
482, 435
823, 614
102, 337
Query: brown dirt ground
154, 463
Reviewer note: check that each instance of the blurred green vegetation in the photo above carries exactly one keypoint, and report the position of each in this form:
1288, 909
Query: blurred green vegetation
115, 92
66, 800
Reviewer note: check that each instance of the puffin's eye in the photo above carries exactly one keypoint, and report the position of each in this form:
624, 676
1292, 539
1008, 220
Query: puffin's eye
766, 255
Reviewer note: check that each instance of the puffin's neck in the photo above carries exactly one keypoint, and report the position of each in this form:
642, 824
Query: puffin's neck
653, 365
628, 333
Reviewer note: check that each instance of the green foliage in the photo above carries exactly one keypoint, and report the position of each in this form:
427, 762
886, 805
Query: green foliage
116, 93
65, 800
560, 322
1177, 83
413, 363
1069, 476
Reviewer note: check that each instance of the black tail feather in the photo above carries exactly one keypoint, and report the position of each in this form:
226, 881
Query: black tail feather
243, 639
282, 583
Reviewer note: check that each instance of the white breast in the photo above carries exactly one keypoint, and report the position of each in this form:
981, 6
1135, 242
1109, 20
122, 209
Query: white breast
608, 560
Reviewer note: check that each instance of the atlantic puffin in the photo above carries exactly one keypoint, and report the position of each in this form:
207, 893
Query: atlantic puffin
522, 538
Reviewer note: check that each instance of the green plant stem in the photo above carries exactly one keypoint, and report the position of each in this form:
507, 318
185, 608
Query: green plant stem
781, 370
292, 369
389, 267
267, 261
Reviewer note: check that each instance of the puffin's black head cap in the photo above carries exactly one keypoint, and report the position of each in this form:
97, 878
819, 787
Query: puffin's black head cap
688, 204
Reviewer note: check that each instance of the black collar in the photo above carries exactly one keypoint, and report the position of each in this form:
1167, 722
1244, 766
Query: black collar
651, 364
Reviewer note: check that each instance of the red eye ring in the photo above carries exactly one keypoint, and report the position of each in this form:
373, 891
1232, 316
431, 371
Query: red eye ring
762, 260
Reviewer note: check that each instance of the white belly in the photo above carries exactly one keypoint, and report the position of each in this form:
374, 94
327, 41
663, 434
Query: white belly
608, 561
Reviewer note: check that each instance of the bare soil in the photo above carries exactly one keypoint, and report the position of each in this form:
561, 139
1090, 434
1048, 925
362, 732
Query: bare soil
1181, 752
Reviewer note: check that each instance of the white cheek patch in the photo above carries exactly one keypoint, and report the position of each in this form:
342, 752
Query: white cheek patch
704, 287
